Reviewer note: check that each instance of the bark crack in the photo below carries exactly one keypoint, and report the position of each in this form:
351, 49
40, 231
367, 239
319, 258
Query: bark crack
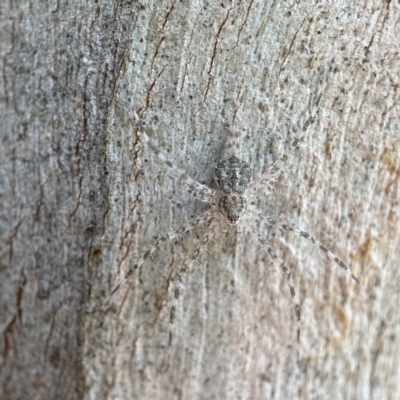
20, 293
7, 345
163, 297
244, 23
215, 48
48, 338
167, 15
5, 59
128, 234
386, 16
157, 51
11, 240
291, 45
151, 88
189, 45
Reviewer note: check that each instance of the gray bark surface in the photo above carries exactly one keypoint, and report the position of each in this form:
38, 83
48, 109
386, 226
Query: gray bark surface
83, 197
60, 63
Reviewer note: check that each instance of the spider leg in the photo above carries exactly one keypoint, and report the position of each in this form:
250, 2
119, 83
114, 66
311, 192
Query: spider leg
258, 189
202, 192
264, 191
206, 216
200, 195
299, 232
280, 263
211, 232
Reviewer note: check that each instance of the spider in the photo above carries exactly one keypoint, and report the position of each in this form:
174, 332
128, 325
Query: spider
230, 206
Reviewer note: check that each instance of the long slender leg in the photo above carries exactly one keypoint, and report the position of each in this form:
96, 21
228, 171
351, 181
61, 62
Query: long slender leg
199, 195
210, 233
299, 232
203, 193
280, 263
258, 189
206, 216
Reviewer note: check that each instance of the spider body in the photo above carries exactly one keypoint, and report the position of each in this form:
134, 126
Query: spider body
233, 177
233, 200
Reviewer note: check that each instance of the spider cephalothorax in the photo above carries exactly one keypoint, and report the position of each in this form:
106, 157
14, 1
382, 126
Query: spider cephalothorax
232, 175
233, 207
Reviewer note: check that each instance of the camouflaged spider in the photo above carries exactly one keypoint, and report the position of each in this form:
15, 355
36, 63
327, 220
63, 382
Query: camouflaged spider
231, 204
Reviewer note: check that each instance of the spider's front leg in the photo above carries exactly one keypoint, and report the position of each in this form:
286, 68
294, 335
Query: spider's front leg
200, 191
260, 189
201, 219
201, 195
281, 264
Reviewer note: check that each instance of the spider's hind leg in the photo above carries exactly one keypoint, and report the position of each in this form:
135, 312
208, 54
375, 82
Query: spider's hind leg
288, 228
213, 232
201, 219
281, 264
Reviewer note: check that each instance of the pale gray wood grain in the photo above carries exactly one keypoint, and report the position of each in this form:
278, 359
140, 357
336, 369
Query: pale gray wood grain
83, 197
196, 70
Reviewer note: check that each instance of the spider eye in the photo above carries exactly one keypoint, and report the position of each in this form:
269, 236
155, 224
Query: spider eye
233, 216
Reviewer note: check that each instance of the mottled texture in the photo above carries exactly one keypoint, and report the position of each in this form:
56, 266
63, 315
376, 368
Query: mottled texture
233, 175
233, 207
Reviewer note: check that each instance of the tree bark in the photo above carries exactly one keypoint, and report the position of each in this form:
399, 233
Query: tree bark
83, 197
60, 65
